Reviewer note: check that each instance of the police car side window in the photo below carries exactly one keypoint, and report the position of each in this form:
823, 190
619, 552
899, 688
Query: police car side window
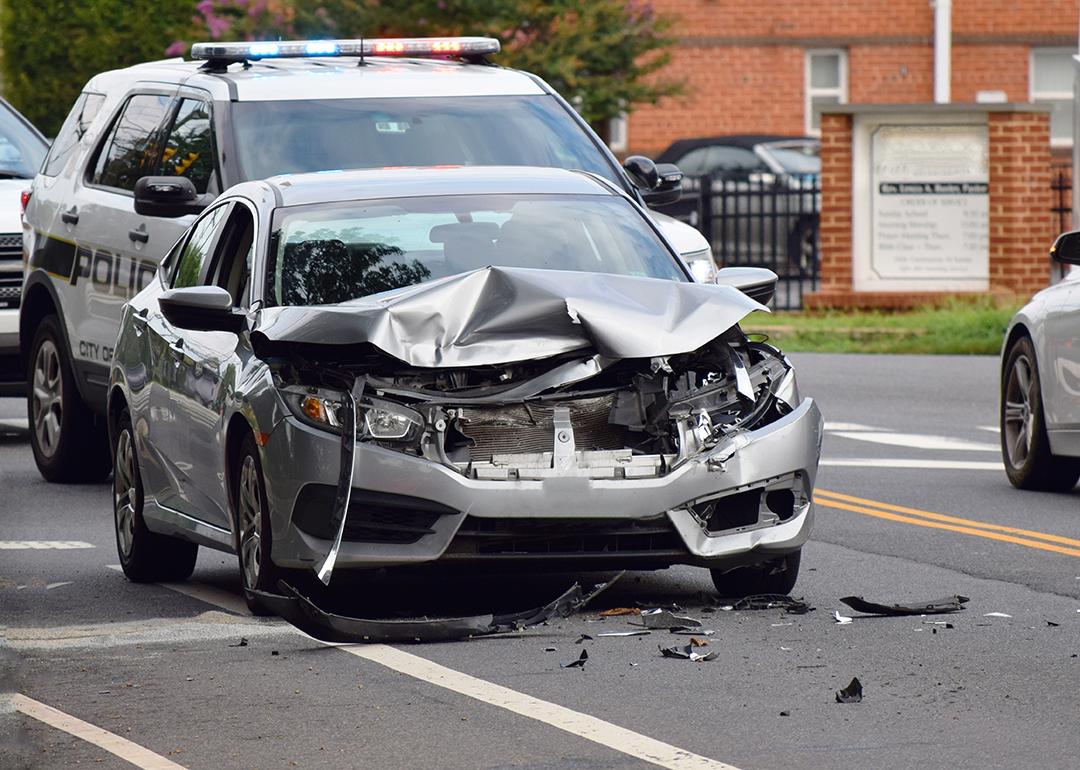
197, 250
189, 147
129, 147
71, 133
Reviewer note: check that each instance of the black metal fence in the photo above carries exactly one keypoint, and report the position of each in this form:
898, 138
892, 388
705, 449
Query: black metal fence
1061, 184
764, 221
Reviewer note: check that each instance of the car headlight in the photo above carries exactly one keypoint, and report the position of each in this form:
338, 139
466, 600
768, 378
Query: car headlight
702, 266
316, 407
384, 421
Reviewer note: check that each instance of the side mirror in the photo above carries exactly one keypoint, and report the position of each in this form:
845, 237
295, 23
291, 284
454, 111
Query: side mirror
168, 196
659, 184
202, 309
757, 283
1066, 248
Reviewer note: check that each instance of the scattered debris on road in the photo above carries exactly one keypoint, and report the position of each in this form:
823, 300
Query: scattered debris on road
996, 615
935, 607
770, 602
686, 653
841, 619
242, 643
579, 662
641, 632
617, 611
661, 618
1052, 624
852, 693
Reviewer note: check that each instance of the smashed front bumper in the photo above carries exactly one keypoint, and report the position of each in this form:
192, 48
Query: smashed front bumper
743, 501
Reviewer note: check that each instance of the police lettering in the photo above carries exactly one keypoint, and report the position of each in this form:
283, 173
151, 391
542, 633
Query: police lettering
112, 273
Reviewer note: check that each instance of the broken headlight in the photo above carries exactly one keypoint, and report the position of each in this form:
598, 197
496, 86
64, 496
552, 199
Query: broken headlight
386, 421
317, 407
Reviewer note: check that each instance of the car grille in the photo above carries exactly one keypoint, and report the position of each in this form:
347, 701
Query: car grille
520, 428
11, 270
374, 517
566, 537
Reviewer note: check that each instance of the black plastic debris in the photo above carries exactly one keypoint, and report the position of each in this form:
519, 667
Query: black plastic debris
687, 653
301, 612
773, 602
242, 643
1052, 624
578, 663
583, 638
661, 618
933, 607
785, 713
852, 693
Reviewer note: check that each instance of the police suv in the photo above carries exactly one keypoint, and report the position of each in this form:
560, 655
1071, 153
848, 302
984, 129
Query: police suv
146, 148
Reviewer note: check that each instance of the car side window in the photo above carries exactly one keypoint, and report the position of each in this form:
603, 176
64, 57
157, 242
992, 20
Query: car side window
71, 133
734, 162
189, 146
693, 162
231, 268
129, 148
194, 255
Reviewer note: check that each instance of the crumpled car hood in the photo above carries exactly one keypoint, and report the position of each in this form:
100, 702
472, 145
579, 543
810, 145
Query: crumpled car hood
500, 315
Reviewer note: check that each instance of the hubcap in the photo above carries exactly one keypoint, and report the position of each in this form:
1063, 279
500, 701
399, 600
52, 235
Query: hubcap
47, 398
250, 515
124, 494
1018, 418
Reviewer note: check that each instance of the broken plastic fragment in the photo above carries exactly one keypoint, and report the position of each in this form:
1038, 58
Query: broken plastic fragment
661, 618
934, 607
578, 663
841, 619
641, 632
616, 611
996, 615
772, 602
686, 653
852, 693
582, 638
242, 643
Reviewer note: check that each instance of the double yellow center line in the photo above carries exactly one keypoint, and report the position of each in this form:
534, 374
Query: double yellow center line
1025, 537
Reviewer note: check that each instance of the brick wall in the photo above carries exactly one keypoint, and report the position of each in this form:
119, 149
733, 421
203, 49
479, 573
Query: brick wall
835, 203
743, 68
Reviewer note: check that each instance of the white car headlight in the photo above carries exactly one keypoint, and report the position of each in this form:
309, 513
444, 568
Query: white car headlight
387, 425
702, 266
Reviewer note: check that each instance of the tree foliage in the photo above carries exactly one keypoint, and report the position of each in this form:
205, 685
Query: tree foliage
52, 47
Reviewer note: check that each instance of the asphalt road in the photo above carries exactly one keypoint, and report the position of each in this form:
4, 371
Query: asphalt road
912, 505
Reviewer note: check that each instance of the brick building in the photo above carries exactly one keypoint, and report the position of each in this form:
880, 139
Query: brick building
753, 67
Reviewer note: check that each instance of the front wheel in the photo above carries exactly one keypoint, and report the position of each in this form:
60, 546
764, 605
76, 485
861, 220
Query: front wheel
254, 537
145, 556
777, 576
68, 441
1025, 447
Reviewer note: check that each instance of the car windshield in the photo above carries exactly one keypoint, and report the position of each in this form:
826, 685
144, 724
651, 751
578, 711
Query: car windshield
21, 149
324, 254
796, 158
288, 137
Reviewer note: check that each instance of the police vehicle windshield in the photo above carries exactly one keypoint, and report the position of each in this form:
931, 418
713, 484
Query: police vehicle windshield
295, 136
329, 253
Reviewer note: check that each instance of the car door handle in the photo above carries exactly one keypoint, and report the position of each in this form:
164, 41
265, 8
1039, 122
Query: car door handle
71, 216
138, 236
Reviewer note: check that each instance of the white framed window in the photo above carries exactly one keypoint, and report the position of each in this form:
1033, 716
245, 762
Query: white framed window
618, 133
826, 84
1051, 81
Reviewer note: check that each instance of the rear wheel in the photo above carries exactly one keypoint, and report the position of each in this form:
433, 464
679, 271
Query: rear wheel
145, 556
68, 441
257, 570
777, 576
1025, 447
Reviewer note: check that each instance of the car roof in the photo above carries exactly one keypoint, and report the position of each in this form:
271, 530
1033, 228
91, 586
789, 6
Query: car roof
328, 78
748, 141
369, 184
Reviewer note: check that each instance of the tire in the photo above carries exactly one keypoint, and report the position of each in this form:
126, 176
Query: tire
145, 556
254, 536
777, 576
70, 443
1025, 447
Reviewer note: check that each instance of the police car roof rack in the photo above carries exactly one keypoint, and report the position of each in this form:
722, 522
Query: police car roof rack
219, 56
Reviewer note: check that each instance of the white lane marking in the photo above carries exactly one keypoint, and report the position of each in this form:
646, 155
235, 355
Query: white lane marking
22, 545
920, 441
114, 744
209, 594
574, 722
830, 426
892, 462
988, 428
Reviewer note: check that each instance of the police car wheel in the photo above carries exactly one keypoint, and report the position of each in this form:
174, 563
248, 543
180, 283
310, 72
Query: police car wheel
777, 576
145, 556
69, 443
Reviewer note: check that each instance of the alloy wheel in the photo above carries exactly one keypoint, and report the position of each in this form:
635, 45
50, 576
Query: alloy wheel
124, 492
47, 398
1019, 418
250, 520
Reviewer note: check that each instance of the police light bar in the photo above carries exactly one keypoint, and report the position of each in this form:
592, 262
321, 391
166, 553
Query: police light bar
387, 46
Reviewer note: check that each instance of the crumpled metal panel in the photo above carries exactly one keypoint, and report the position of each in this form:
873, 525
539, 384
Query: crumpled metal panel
499, 315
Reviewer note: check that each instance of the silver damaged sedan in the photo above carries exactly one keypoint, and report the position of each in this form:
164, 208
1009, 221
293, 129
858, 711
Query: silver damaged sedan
366, 369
